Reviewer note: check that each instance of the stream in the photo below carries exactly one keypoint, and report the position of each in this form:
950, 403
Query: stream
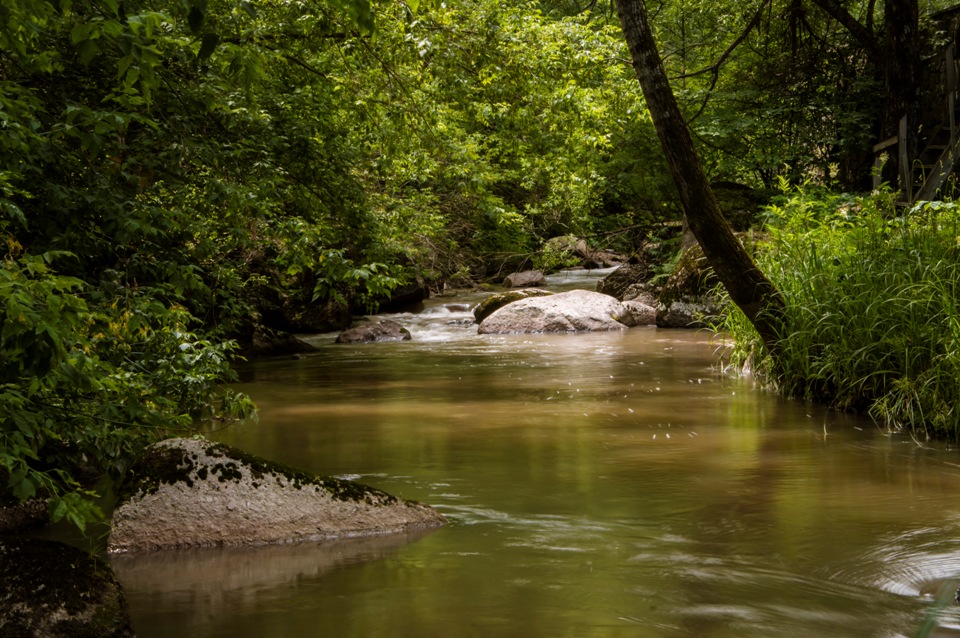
604, 484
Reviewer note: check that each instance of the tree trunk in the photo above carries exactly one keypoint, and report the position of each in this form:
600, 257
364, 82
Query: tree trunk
901, 86
748, 287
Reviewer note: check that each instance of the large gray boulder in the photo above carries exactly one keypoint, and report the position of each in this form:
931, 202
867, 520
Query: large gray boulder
191, 492
495, 302
52, 590
386, 330
573, 311
525, 279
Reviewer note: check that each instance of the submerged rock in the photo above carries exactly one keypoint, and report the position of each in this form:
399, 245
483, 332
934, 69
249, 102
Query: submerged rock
573, 311
192, 492
48, 589
494, 302
386, 330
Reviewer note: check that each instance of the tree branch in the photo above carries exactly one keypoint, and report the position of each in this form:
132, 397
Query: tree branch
714, 68
860, 33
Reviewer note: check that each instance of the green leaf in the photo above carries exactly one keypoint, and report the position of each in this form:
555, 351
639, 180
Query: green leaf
208, 45
80, 32
195, 19
58, 510
24, 489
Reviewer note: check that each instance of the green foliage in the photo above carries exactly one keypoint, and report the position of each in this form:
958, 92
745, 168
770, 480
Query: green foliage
490, 128
557, 254
872, 296
85, 387
331, 274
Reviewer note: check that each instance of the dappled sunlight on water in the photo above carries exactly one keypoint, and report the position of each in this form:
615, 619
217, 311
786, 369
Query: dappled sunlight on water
610, 484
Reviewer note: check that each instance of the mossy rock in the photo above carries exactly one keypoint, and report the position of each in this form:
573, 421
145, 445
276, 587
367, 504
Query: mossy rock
494, 302
17, 516
686, 299
262, 341
620, 280
692, 277
54, 590
192, 492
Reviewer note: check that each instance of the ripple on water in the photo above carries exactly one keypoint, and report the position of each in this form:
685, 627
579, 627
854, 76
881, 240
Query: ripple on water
921, 563
913, 563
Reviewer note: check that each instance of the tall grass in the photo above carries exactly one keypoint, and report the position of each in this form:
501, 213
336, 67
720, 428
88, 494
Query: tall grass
873, 307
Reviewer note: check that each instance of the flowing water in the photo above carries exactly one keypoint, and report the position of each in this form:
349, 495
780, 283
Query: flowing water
613, 484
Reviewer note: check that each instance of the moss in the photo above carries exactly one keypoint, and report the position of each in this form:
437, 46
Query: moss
692, 277
493, 303
227, 472
338, 488
158, 466
169, 465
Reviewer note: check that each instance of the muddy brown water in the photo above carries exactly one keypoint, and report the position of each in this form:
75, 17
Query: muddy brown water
596, 485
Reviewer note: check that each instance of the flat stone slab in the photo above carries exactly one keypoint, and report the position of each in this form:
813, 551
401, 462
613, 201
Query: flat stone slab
195, 493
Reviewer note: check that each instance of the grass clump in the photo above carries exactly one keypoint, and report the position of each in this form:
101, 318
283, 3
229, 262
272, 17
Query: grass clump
872, 296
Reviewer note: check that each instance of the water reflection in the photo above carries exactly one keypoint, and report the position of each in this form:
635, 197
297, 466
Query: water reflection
598, 485
204, 588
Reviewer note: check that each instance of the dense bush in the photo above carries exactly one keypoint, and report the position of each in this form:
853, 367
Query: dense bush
873, 307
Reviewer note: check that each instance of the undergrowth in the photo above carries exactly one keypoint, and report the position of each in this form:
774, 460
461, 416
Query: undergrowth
872, 296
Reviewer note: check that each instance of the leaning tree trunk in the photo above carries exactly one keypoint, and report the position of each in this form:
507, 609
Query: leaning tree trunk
748, 287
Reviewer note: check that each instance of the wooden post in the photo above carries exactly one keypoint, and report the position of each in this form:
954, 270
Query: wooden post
906, 169
952, 94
